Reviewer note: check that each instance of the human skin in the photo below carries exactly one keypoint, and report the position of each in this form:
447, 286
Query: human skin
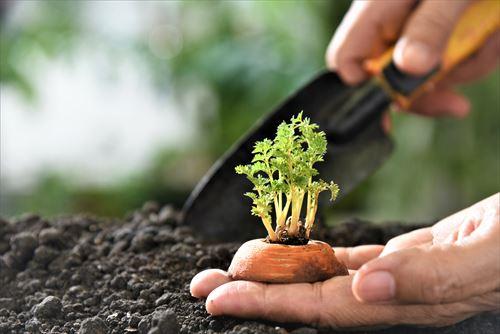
419, 32
433, 276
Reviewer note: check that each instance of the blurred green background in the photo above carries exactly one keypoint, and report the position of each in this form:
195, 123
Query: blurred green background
107, 104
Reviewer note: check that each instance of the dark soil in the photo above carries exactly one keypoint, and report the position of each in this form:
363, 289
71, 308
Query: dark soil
285, 239
88, 275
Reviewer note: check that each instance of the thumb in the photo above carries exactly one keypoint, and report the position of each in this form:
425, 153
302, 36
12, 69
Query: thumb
429, 274
425, 35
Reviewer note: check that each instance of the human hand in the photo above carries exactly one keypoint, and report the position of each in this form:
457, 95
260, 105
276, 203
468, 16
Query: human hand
419, 31
465, 246
455, 260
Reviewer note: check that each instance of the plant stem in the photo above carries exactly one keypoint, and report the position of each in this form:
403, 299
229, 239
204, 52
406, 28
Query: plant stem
308, 208
284, 212
280, 201
311, 214
298, 199
269, 228
277, 207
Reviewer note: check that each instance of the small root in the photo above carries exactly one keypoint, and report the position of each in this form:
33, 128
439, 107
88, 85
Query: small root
284, 236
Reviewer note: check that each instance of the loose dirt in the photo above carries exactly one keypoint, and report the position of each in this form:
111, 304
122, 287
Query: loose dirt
82, 274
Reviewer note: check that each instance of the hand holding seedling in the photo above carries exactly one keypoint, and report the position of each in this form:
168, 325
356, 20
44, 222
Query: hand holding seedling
419, 30
434, 276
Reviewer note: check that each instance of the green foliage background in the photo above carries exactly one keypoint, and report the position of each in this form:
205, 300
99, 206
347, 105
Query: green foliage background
252, 55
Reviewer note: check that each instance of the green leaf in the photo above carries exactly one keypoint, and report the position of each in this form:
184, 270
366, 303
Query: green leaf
334, 190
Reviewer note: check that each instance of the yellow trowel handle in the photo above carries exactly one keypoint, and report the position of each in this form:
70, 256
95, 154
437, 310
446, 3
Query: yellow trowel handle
479, 21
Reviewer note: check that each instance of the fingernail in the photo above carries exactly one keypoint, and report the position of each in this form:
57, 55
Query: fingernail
377, 286
414, 56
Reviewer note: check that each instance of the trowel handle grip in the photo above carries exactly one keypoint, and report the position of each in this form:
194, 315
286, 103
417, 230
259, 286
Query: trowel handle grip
478, 22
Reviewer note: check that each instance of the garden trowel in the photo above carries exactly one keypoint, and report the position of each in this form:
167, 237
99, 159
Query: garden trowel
351, 118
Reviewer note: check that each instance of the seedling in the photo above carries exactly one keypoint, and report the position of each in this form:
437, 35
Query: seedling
286, 191
283, 174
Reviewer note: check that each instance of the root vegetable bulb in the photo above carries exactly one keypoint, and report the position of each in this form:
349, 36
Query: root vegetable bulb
258, 260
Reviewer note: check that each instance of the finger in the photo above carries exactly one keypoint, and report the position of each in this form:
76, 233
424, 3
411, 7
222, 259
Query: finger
479, 64
441, 102
407, 240
278, 302
426, 34
475, 212
452, 238
489, 224
366, 31
475, 224
465, 230
355, 257
206, 281
430, 274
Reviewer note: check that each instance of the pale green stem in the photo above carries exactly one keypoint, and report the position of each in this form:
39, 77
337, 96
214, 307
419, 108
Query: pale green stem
277, 207
313, 213
284, 212
308, 214
269, 228
308, 201
296, 208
